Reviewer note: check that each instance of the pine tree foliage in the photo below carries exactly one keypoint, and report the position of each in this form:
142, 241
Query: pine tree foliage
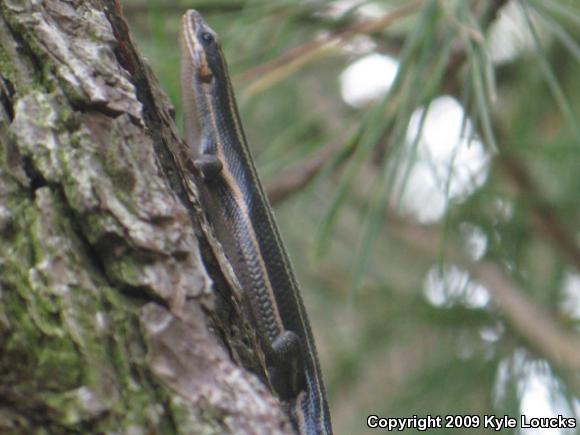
475, 311
466, 313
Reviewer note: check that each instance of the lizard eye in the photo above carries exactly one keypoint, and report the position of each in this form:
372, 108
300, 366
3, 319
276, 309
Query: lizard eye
207, 37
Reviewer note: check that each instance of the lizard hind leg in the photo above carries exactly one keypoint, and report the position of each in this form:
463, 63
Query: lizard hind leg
209, 166
287, 369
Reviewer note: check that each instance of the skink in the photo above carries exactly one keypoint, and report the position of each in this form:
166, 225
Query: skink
243, 221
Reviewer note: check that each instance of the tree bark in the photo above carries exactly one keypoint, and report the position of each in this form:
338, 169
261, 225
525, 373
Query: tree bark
114, 317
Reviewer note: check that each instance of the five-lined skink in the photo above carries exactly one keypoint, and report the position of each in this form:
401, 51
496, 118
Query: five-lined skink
244, 224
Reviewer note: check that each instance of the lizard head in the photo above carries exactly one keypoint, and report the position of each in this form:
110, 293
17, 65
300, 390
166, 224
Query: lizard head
200, 45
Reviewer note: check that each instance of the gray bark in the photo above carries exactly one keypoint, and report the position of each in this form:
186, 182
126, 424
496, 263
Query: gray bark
107, 291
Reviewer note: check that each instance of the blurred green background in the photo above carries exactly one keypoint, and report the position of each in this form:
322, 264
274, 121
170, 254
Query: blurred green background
430, 157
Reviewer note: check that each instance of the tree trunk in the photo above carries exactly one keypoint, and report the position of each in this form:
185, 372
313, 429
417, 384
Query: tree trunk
114, 316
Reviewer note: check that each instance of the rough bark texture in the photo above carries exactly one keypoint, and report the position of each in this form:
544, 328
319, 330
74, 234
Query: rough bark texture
105, 302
